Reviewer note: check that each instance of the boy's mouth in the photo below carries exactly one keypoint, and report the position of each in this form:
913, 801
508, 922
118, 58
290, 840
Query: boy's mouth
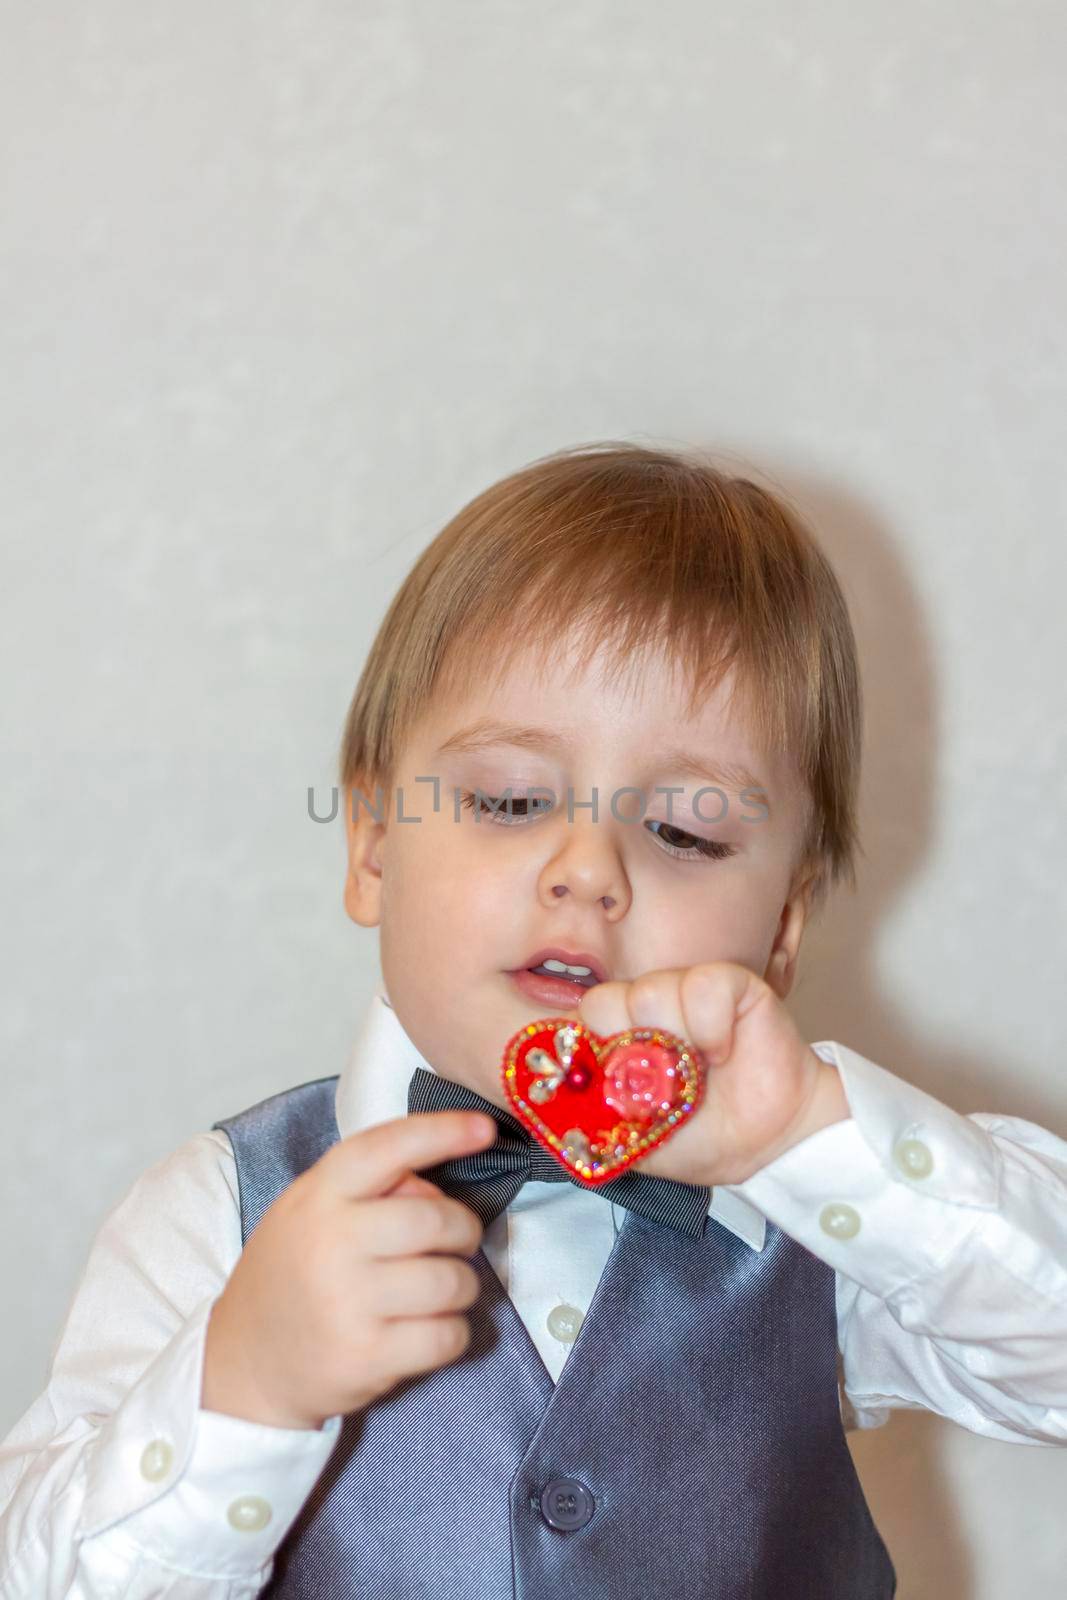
553, 975
558, 969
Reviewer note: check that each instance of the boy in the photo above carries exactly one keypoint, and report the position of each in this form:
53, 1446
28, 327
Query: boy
338, 1346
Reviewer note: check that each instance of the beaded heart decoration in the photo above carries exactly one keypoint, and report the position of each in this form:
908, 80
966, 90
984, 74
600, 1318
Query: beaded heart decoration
599, 1104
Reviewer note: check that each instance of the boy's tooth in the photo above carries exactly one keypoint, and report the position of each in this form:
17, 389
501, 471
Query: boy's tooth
561, 966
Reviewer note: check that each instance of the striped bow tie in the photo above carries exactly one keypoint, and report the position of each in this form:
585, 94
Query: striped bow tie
488, 1180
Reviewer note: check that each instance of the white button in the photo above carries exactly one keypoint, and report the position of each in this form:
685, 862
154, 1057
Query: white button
249, 1513
156, 1460
564, 1322
839, 1220
914, 1158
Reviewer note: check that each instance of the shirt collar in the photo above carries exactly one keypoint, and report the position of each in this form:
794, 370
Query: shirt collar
373, 1088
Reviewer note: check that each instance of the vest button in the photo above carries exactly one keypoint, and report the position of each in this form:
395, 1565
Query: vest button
566, 1504
248, 1514
156, 1460
564, 1322
839, 1220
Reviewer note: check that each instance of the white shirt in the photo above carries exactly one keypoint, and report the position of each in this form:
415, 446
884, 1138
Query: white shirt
951, 1294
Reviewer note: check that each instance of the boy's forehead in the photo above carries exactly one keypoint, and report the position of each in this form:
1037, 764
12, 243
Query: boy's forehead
549, 701
554, 670
549, 678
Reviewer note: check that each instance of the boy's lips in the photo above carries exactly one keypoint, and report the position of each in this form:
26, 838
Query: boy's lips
571, 958
560, 991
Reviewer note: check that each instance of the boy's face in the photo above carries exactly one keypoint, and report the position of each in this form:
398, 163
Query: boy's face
465, 904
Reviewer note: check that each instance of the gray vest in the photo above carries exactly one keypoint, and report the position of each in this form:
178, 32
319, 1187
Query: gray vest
693, 1444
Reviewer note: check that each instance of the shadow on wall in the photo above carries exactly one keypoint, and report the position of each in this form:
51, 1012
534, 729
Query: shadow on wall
902, 1465
909, 1492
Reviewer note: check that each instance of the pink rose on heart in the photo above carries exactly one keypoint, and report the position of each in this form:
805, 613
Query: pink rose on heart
640, 1079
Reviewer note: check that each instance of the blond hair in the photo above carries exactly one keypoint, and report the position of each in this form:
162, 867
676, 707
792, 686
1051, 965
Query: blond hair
625, 549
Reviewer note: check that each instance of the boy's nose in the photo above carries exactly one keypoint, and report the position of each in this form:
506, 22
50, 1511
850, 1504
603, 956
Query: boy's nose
587, 865
560, 889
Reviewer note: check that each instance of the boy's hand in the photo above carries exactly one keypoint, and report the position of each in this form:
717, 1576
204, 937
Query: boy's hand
352, 1280
765, 1090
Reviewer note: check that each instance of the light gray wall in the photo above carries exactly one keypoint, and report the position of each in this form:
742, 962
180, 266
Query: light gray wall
282, 286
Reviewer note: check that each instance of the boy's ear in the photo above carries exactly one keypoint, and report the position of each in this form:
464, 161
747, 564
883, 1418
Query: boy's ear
781, 967
365, 837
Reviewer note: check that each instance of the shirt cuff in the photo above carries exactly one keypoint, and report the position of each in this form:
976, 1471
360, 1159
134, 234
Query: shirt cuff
887, 1194
198, 1490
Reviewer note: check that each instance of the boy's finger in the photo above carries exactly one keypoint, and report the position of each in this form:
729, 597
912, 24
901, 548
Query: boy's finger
650, 1001
374, 1161
604, 1009
656, 1001
413, 1184
712, 997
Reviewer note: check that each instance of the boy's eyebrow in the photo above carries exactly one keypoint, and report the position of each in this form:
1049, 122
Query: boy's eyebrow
480, 735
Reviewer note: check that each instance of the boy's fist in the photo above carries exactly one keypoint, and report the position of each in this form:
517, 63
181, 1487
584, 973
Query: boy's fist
765, 1089
352, 1280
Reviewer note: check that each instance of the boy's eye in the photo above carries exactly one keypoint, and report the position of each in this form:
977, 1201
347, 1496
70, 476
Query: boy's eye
710, 849
502, 808
507, 809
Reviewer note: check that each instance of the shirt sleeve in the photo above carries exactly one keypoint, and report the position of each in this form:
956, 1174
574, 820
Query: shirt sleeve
948, 1234
116, 1481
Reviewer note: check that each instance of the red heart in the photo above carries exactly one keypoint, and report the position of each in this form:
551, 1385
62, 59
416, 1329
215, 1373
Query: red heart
598, 1105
